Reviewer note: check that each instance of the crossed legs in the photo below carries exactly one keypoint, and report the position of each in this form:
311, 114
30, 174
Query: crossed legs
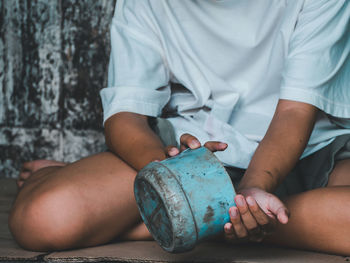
91, 202
85, 203
320, 218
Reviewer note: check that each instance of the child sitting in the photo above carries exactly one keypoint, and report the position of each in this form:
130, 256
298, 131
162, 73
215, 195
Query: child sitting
263, 83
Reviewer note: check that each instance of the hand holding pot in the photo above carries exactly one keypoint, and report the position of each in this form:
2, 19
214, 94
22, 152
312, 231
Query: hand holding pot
190, 141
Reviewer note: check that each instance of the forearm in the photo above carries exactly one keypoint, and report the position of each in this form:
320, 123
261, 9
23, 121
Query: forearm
282, 145
129, 136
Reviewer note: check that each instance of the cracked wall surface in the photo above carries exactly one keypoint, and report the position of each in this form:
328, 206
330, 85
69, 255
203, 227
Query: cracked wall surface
53, 62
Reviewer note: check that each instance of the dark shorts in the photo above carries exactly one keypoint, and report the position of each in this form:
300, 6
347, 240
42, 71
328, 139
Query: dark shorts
309, 173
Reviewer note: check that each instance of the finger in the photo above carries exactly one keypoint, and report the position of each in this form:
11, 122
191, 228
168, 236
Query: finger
228, 228
240, 230
229, 232
171, 151
189, 141
248, 219
215, 146
283, 215
183, 147
266, 223
257, 212
279, 209
24, 175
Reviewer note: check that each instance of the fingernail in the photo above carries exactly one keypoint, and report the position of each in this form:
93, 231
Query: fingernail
284, 219
195, 144
233, 212
173, 151
240, 201
156, 161
222, 145
250, 201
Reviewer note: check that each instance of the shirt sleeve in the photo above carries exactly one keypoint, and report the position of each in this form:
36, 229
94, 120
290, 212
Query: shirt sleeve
137, 75
317, 69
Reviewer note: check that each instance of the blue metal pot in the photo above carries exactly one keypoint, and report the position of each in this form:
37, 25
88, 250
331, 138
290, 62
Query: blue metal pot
184, 199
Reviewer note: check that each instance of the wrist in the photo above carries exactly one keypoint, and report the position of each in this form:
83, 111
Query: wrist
141, 158
153, 155
242, 186
263, 180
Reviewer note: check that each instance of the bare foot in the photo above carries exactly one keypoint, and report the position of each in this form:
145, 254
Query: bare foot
28, 168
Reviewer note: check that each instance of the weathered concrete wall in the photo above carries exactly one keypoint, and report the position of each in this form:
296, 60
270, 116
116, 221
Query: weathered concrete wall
53, 62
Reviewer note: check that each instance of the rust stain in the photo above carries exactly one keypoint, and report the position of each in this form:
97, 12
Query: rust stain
209, 215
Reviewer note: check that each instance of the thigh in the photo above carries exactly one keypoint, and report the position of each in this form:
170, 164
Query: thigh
85, 203
340, 174
99, 175
319, 221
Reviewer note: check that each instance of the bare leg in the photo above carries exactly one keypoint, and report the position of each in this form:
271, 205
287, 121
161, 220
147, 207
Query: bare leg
90, 202
85, 203
29, 168
320, 218
341, 174
139, 232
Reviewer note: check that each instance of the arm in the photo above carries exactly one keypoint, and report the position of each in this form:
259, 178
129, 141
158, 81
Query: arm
282, 146
276, 155
129, 136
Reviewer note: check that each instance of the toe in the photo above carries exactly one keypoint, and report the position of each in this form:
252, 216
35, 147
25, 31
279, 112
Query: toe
24, 175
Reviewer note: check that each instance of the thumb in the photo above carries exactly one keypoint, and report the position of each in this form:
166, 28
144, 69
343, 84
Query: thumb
171, 151
279, 210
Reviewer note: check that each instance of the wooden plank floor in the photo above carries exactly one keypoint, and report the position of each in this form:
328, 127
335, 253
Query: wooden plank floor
146, 251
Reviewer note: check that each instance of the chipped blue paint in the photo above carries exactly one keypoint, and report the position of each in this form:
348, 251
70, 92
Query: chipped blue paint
184, 199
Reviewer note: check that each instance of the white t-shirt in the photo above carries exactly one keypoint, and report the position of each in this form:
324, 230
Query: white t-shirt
234, 60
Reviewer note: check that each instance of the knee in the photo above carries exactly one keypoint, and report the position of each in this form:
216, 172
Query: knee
45, 222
